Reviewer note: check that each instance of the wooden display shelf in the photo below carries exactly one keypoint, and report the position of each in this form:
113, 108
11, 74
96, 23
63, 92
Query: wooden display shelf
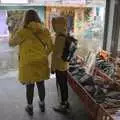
95, 111
100, 73
90, 105
102, 114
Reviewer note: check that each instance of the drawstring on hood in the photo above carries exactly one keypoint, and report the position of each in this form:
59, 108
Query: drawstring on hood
36, 27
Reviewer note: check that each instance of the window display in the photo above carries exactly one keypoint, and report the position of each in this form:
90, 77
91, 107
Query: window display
4, 28
14, 19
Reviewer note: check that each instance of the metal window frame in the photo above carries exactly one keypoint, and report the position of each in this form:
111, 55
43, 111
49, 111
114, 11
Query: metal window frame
106, 24
116, 29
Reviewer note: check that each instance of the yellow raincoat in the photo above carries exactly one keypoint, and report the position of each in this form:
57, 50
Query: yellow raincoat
35, 44
60, 27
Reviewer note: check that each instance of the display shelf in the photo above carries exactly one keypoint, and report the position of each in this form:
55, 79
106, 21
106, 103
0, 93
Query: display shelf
100, 73
95, 111
102, 114
90, 105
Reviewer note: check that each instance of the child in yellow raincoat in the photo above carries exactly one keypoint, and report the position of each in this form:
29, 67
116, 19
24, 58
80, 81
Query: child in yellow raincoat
35, 44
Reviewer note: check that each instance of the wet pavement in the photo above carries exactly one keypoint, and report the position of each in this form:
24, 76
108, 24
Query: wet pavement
12, 93
8, 57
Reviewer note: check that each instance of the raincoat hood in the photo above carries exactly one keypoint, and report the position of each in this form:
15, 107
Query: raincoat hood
36, 27
39, 30
59, 24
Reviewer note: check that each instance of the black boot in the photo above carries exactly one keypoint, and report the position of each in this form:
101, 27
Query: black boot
29, 110
62, 108
42, 106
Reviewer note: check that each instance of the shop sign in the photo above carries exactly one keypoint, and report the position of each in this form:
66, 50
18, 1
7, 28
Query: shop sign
14, 1
75, 1
51, 1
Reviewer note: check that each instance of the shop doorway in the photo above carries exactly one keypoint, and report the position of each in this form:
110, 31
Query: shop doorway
70, 16
68, 13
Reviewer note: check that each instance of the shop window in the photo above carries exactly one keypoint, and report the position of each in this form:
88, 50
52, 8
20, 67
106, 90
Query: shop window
14, 19
4, 27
